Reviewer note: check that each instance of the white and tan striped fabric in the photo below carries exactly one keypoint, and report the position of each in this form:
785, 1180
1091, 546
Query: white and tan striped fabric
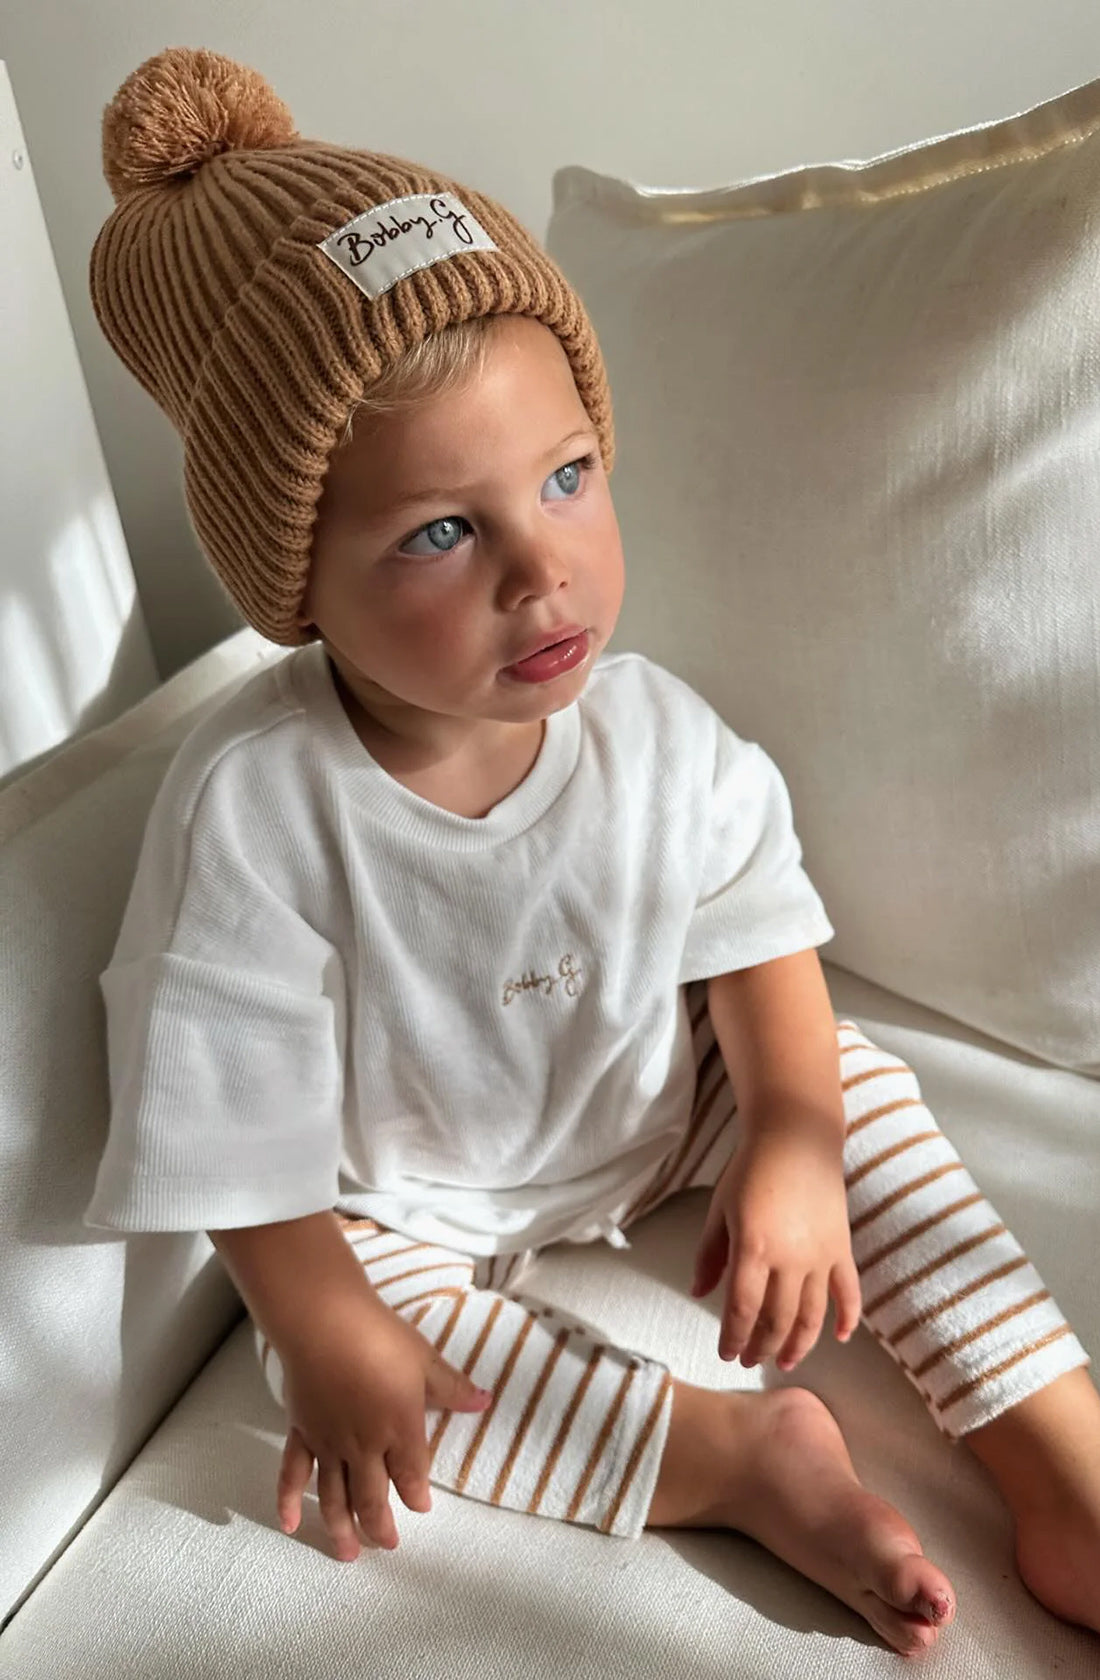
577, 1426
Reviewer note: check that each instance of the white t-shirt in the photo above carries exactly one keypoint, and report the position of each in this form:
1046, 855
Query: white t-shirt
328, 991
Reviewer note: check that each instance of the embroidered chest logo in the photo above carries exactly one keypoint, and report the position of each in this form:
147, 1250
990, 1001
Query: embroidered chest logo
568, 977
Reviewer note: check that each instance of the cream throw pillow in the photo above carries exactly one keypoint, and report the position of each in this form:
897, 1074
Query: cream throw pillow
858, 410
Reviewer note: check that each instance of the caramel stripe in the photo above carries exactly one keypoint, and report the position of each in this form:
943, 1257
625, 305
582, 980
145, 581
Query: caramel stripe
885, 1155
873, 1073
897, 1196
600, 1444
355, 1222
532, 1401
500, 1385
709, 1059
966, 1388
933, 1266
879, 1113
456, 1313
483, 1335
566, 1424
420, 1314
918, 1230
699, 1016
688, 1173
608, 1522
655, 1189
982, 1330
483, 1423
428, 1295
448, 1328
418, 1271
374, 1258
930, 1313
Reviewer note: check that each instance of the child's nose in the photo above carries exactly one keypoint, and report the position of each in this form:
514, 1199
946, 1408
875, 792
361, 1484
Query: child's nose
532, 571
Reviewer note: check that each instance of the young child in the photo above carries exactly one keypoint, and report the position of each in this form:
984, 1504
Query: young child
448, 928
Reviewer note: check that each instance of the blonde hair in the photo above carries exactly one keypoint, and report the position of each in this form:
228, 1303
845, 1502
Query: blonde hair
441, 362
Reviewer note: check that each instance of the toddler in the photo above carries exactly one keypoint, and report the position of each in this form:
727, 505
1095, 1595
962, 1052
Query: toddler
453, 936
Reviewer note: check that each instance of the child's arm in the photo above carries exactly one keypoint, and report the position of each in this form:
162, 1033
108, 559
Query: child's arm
297, 1276
779, 1211
357, 1377
775, 1028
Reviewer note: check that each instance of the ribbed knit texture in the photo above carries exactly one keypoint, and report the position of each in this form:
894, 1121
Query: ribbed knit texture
468, 1028
208, 280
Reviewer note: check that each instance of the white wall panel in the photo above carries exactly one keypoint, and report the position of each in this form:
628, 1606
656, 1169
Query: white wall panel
74, 651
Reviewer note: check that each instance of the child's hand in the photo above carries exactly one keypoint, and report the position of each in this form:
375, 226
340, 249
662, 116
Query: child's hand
356, 1404
779, 1215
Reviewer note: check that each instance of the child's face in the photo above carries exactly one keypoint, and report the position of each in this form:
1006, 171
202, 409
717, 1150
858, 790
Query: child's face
458, 537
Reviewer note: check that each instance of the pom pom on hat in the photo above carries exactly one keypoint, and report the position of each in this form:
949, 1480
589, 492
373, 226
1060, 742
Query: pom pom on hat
180, 108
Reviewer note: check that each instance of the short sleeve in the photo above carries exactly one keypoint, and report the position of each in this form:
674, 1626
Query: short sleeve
755, 901
224, 1014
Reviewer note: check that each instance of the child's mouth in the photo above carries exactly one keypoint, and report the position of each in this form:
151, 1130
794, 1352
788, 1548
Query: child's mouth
550, 662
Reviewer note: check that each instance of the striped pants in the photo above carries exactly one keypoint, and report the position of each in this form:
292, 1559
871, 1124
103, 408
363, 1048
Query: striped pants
577, 1427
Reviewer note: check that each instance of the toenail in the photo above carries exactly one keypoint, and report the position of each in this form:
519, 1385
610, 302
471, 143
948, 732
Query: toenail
935, 1609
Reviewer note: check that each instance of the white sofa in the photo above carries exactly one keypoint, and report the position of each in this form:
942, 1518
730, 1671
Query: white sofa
943, 765
141, 1446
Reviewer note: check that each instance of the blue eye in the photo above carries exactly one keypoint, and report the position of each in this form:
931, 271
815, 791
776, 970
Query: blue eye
441, 535
568, 479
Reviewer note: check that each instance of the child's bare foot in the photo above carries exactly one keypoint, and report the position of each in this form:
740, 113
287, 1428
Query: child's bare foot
1058, 1556
774, 1466
1045, 1456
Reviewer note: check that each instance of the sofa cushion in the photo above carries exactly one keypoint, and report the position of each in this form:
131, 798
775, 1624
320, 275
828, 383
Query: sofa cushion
98, 1336
858, 410
183, 1569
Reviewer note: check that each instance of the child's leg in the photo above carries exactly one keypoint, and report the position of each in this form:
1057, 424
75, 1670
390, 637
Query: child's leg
576, 1427
947, 1290
773, 1465
587, 1433
951, 1296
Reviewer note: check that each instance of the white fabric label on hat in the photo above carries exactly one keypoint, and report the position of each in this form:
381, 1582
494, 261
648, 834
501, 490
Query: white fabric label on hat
381, 246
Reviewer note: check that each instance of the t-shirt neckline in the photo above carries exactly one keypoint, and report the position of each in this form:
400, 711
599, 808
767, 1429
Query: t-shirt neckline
377, 793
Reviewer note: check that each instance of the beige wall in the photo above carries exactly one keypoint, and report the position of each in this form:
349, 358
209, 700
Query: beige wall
500, 93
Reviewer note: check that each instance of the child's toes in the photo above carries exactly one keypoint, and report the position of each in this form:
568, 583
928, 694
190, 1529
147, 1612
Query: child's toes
913, 1584
909, 1635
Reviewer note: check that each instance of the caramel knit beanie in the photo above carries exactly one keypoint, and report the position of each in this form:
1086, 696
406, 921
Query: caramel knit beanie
257, 284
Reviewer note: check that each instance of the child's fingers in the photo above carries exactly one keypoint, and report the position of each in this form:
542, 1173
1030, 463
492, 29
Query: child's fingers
847, 1301
710, 1258
295, 1469
333, 1498
745, 1288
807, 1325
369, 1491
408, 1469
775, 1321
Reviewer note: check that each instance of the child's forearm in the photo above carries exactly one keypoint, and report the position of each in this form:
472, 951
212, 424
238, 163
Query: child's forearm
298, 1277
775, 1028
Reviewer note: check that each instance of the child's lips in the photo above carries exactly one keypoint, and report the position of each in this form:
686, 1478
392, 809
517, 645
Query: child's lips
551, 659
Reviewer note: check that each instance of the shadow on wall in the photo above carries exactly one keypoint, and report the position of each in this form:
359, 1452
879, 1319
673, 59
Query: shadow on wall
74, 651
